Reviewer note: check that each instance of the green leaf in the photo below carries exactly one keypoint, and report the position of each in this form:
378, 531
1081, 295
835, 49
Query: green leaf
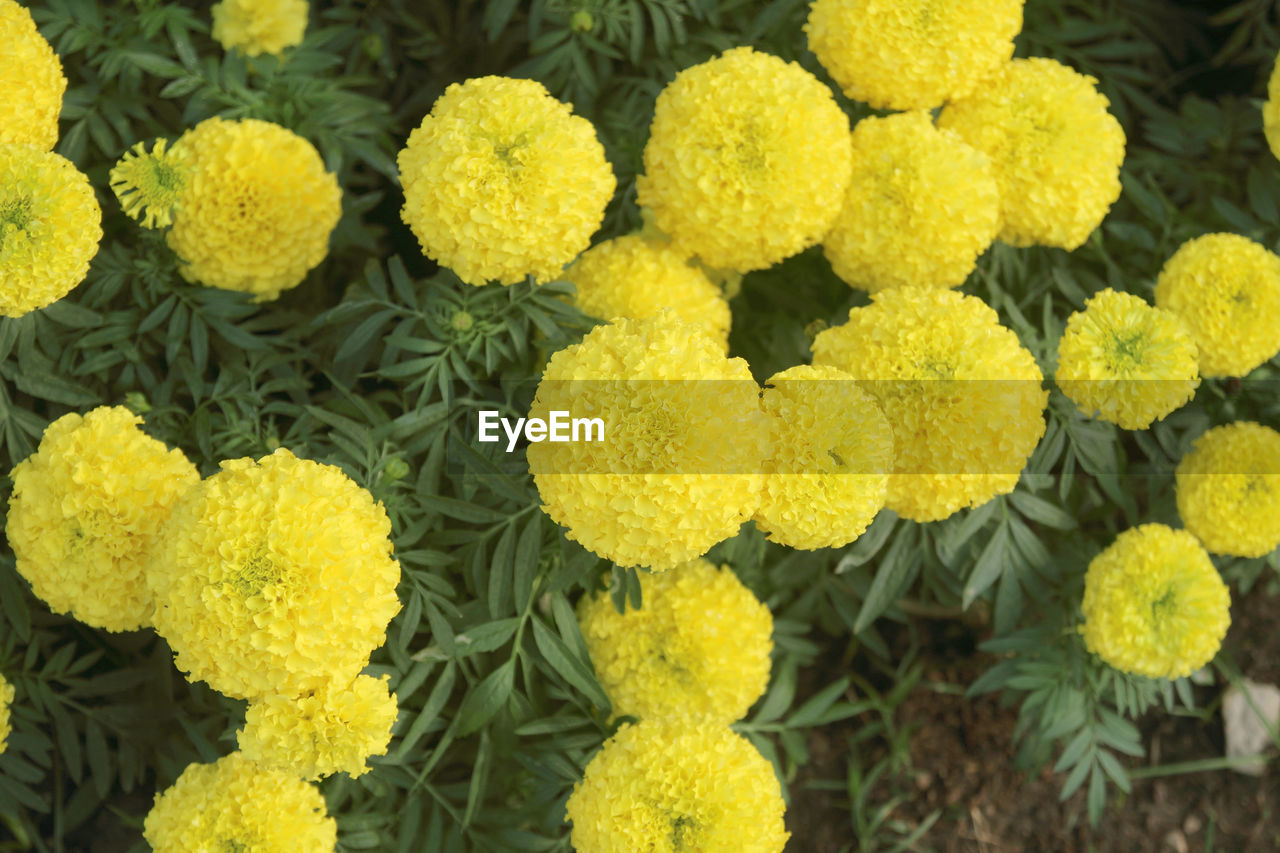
563, 661
987, 569
486, 698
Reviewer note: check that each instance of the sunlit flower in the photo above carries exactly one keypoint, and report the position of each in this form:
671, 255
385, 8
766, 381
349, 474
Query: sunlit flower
86, 512
6, 699
275, 577
1130, 363
1055, 149
909, 54
679, 786
235, 806
148, 184
50, 225
1226, 289
502, 181
1228, 489
747, 160
259, 26
31, 81
1154, 605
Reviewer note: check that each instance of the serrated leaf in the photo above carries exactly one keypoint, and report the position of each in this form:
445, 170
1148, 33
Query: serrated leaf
486, 698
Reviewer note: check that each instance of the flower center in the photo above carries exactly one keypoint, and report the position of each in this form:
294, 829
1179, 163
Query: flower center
257, 573
1127, 349
683, 832
15, 212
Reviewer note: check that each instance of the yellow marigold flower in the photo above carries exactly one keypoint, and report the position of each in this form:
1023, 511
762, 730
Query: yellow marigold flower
963, 396
275, 577
86, 512
259, 26
747, 160
920, 209
1127, 361
502, 181
1226, 289
683, 440
256, 213
1271, 111
235, 804
1055, 149
6, 699
632, 277
828, 473
699, 645
331, 730
50, 225
149, 184
1228, 489
912, 54
1154, 605
31, 79
680, 786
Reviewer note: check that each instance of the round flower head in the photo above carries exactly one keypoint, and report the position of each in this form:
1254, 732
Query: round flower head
1226, 289
963, 396
148, 185
275, 577
86, 512
832, 452
677, 785
674, 470
1154, 605
259, 26
256, 213
6, 699
920, 209
1228, 489
502, 181
632, 277
50, 225
334, 729
1129, 362
747, 160
1055, 149
32, 82
1271, 111
912, 54
235, 804
698, 646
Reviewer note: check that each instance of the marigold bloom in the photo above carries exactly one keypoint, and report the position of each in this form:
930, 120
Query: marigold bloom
633, 277
828, 471
1271, 111
32, 82
149, 184
50, 225
912, 54
1127, 361
235, 804
699, 645
747, 160
1228, 489
680, 786
256, 213
920, 209
6, 699
1154, 605
275, 577
86, 512
502, 181
683, 442
1226, 289
259, 26
963, 396
1055, 149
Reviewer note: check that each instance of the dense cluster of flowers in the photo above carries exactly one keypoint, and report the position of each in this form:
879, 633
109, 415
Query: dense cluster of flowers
677, 469
502, 181
1055, 149
238, 805
963, 396
1228, 489
7, 693
32, 81
747, 160
911, 54
677, 785
1154, 605
1127, 361
150, 183
259, 26
86, 512
827, 474
50, 226
1226, 289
